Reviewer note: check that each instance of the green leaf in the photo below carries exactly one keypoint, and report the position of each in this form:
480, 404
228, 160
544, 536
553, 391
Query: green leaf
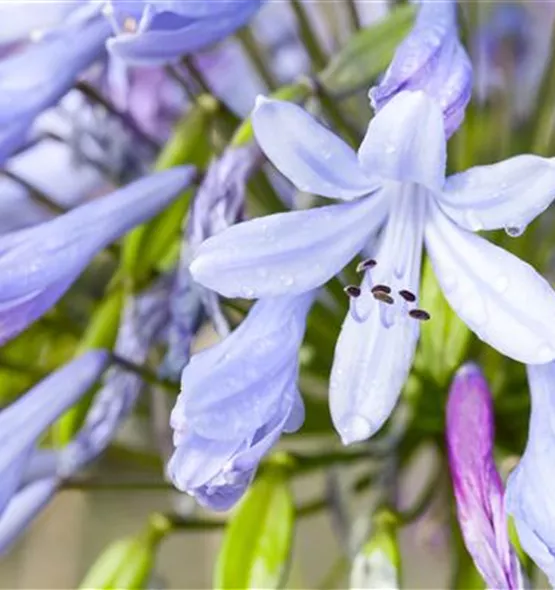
367, 54
444, 338
257, 542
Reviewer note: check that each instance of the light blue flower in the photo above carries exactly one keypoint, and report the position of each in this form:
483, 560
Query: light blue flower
22, 423
398, 177
236, 399
160, 32
432, 59
35, 78
39, 264
531, 487
476, 483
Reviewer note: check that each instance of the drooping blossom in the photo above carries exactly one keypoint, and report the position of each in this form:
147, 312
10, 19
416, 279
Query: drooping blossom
23, 422
237, 397
145, 317
39, 264
151, 32
530, 488
476, 483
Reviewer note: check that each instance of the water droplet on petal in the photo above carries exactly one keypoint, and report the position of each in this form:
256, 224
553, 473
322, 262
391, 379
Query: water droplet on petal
247, 292
390, 149
501, 283
545, 353
287, 280
473, 221
515, 230
354, 428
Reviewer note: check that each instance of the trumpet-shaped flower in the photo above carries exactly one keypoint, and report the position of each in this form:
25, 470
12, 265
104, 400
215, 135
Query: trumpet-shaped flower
477, 485
160, 32
432, 59
531, 488
237, 398
396, 180
38, 264
39, 75
22, 423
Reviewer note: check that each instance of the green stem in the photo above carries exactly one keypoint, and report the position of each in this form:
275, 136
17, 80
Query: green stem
311, 42
257, 57
352, 12
542, 129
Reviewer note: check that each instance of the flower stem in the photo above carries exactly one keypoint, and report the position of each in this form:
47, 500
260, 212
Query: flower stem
257, 57
311, 42
352, 12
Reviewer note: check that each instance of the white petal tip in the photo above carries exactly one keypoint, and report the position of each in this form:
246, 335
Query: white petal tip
354, 428
261, 100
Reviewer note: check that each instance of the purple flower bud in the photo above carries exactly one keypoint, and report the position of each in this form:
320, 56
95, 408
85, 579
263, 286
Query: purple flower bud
530, 497
160, 32
38, 76
37, 265
477, 485
431, 59
237, 398
22, 423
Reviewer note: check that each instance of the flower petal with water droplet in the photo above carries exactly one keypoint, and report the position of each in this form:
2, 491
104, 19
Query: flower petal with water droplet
313, 158
500, 297
508, 194
287, 253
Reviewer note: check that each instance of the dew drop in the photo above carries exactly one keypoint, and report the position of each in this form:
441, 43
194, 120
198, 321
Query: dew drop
390, 149
287, 280
473, 221
247, 292
354, 428
515, 230
545, 354
501, 283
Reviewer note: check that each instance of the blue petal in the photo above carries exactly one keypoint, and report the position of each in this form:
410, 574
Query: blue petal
38, 264
374, 352
509, 194
309, 155
405, 141
169, 36
23, 508
431, 59
530, 494
501, 298
287, 253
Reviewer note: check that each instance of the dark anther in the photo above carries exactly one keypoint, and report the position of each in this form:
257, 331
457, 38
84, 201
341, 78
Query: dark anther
407, 295
381, 289
383, 297
419, 314
352, 291
366, 264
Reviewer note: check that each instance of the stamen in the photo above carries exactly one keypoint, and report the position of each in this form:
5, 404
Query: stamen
355, 312
383, 297
407, 295
419, 314
381, 289
130, 25
366, 265
352, 291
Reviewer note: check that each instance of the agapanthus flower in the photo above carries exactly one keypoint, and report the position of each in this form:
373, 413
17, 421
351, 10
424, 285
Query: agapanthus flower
163, 31
219, 203
531, 487
432, 59
39, 264
23, 422
237, 397
144, 318
397, 180
477, 485
36, 77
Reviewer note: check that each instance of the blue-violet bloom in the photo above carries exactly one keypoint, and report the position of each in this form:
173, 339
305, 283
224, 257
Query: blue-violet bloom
23, 422
151, 32
432, 59
530, 492
396, 180
477, 485
237, 397
39, 264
